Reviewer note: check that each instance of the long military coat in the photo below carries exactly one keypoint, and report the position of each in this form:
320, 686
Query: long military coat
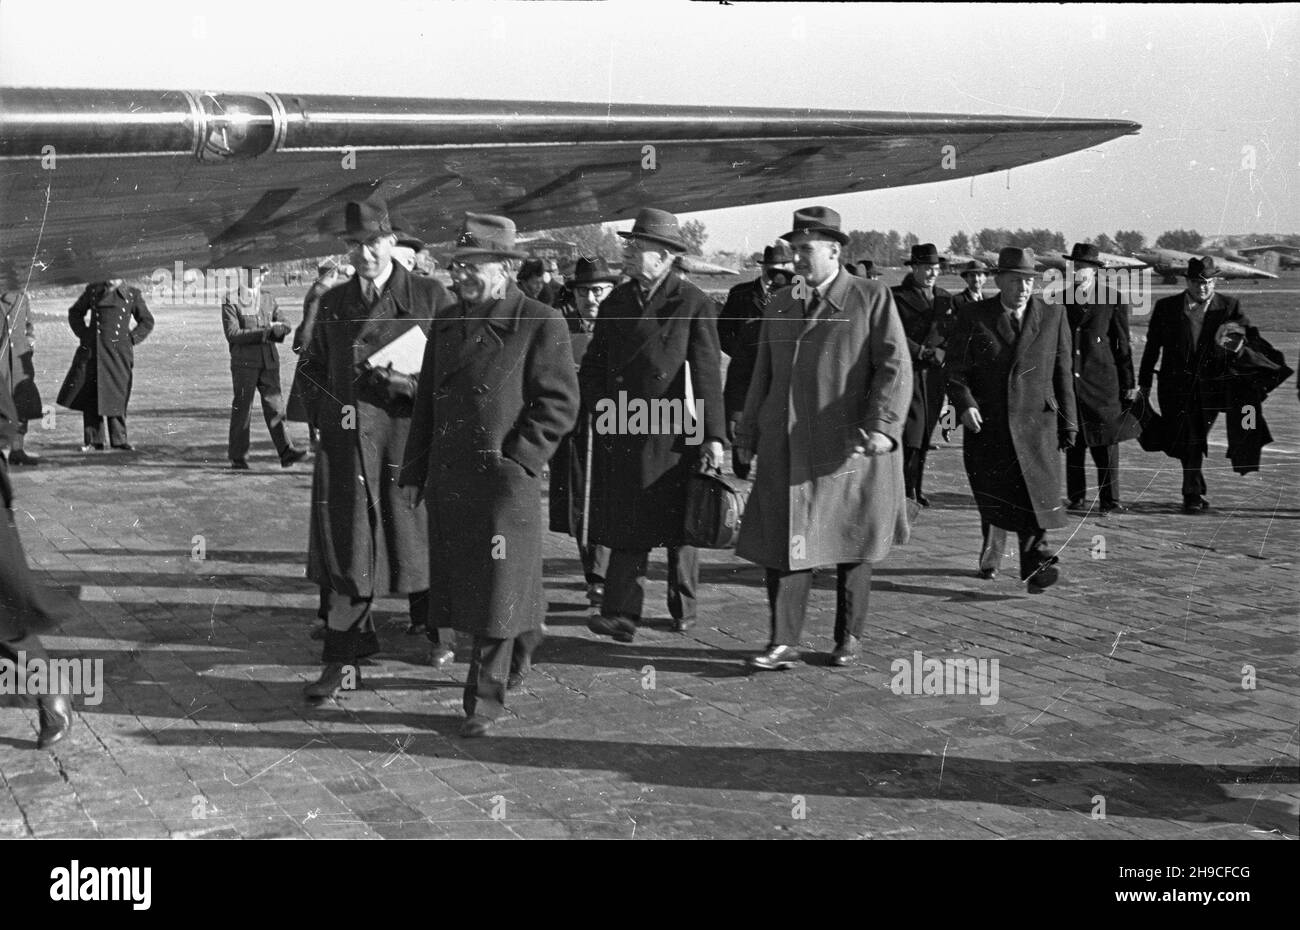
816, 383
110, 338
926, 326
640, 351
497, 393
1193, 377
1023, 388
368, 535
1103, 365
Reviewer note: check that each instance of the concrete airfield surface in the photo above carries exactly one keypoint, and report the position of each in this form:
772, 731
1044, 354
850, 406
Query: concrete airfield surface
1124, 702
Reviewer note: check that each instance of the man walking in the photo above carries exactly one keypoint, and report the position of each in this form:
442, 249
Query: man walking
825, 415
1010, 378
497, 393
653, 331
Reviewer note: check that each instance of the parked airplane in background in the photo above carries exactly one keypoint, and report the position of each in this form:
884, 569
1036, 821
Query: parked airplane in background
100, 183
1171, 265
1050, 259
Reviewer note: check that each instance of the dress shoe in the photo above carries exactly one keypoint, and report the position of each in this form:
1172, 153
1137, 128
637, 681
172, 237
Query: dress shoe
1195, 504
292, 456
682, 624
776, 657
239, 465
621, 629
1077, 505
415, 629
595, 594
97, 447
1044, 576
922, 499
988, 574
440, 656
330, 682
1113, 507
55, 712
123, 447
846, 653
22, 457
475, 726
518, 674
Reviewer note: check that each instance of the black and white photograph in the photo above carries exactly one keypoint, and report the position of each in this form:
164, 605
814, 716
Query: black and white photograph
435, 419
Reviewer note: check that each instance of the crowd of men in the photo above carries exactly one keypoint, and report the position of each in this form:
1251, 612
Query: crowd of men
427, 473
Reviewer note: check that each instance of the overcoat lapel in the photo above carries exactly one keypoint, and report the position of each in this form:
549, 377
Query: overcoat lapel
458, 342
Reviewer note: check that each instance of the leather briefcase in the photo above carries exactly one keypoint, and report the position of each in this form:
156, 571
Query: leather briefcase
714, 505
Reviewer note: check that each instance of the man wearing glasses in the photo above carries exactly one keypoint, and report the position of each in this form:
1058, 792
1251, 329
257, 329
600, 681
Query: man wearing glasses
497, 393
653, 332
367, 535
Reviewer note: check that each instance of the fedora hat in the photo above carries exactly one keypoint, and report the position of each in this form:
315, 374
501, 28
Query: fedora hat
485, 236
925, 254
973, 266
864, 269
366, 218
592, 271
778, 254
532, 268
1017, 261
657, 226
1203, 269
1085, 253
821, 220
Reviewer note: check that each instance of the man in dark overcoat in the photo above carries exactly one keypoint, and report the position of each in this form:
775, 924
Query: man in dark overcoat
253, 325
1010, 378
926, 312
368, 536
738, 327
824, 414
327, 275
497, 393
1183, 337
1103, 379
975, 273
101, 319
651, 331
591, 284
27, 607
17, 346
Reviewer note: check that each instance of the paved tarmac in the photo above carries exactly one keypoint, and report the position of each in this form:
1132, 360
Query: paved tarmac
1123, 707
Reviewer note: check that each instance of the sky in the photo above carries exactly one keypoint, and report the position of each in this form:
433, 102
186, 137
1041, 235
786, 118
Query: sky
1214, 86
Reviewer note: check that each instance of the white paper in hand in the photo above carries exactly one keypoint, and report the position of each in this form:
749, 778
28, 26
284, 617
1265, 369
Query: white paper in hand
405, 353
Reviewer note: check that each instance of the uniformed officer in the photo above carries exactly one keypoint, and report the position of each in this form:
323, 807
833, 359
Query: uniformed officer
99, 382
17, 341
253, 325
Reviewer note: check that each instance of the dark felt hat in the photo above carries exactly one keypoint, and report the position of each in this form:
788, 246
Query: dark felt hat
1085, 253
1017, 261
484, 236
592, 271
1203, 269
822, 220
973, 266
779, 253
657, 226
925, 254
366, 218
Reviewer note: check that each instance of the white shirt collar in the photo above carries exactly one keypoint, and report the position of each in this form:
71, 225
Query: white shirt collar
379, 282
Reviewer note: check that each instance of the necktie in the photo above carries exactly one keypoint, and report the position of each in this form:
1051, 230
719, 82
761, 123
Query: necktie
814, 302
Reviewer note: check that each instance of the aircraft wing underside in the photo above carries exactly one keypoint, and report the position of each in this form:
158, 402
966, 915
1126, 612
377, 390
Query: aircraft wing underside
95, 182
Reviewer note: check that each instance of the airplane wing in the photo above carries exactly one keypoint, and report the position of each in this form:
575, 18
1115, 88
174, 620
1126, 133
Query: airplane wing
1263, 249
134, 180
